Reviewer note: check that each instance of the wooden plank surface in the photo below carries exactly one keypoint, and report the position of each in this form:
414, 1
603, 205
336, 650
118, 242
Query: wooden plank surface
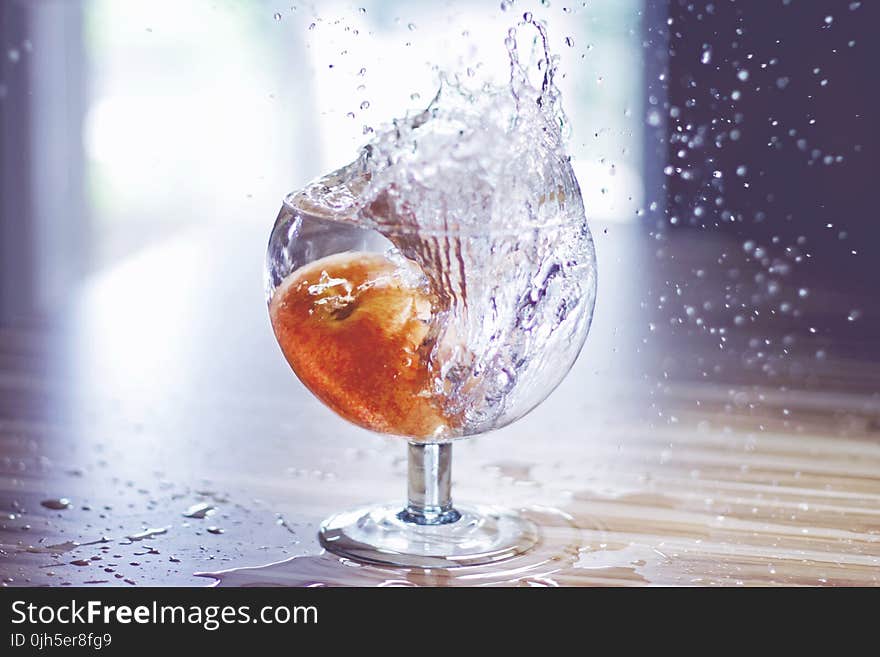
159, 387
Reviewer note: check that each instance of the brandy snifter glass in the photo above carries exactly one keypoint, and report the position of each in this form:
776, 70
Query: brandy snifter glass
400, 350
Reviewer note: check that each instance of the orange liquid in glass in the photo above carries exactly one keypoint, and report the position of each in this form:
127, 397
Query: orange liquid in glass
352, 326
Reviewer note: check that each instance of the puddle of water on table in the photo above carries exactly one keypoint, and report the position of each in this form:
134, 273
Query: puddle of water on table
561, 549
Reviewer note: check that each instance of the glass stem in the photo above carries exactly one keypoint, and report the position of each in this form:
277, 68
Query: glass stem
429, 485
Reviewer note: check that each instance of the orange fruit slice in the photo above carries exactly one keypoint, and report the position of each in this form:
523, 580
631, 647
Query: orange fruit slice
352, 327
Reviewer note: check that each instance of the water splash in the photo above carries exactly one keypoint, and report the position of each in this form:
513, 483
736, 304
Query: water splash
476, 189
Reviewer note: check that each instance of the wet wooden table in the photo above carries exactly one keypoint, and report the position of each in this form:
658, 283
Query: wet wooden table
159, 406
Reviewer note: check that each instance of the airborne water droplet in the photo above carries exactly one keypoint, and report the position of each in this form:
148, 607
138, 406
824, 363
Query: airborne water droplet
420, 158
706, 55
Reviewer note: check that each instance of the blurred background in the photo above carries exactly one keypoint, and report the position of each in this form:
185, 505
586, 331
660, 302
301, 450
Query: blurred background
725, 152
127, 122
146, 148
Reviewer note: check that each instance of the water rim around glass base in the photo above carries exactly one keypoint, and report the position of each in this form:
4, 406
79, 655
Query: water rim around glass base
380, 535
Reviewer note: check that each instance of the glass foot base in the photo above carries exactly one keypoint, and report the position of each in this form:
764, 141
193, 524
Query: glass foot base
377, 535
